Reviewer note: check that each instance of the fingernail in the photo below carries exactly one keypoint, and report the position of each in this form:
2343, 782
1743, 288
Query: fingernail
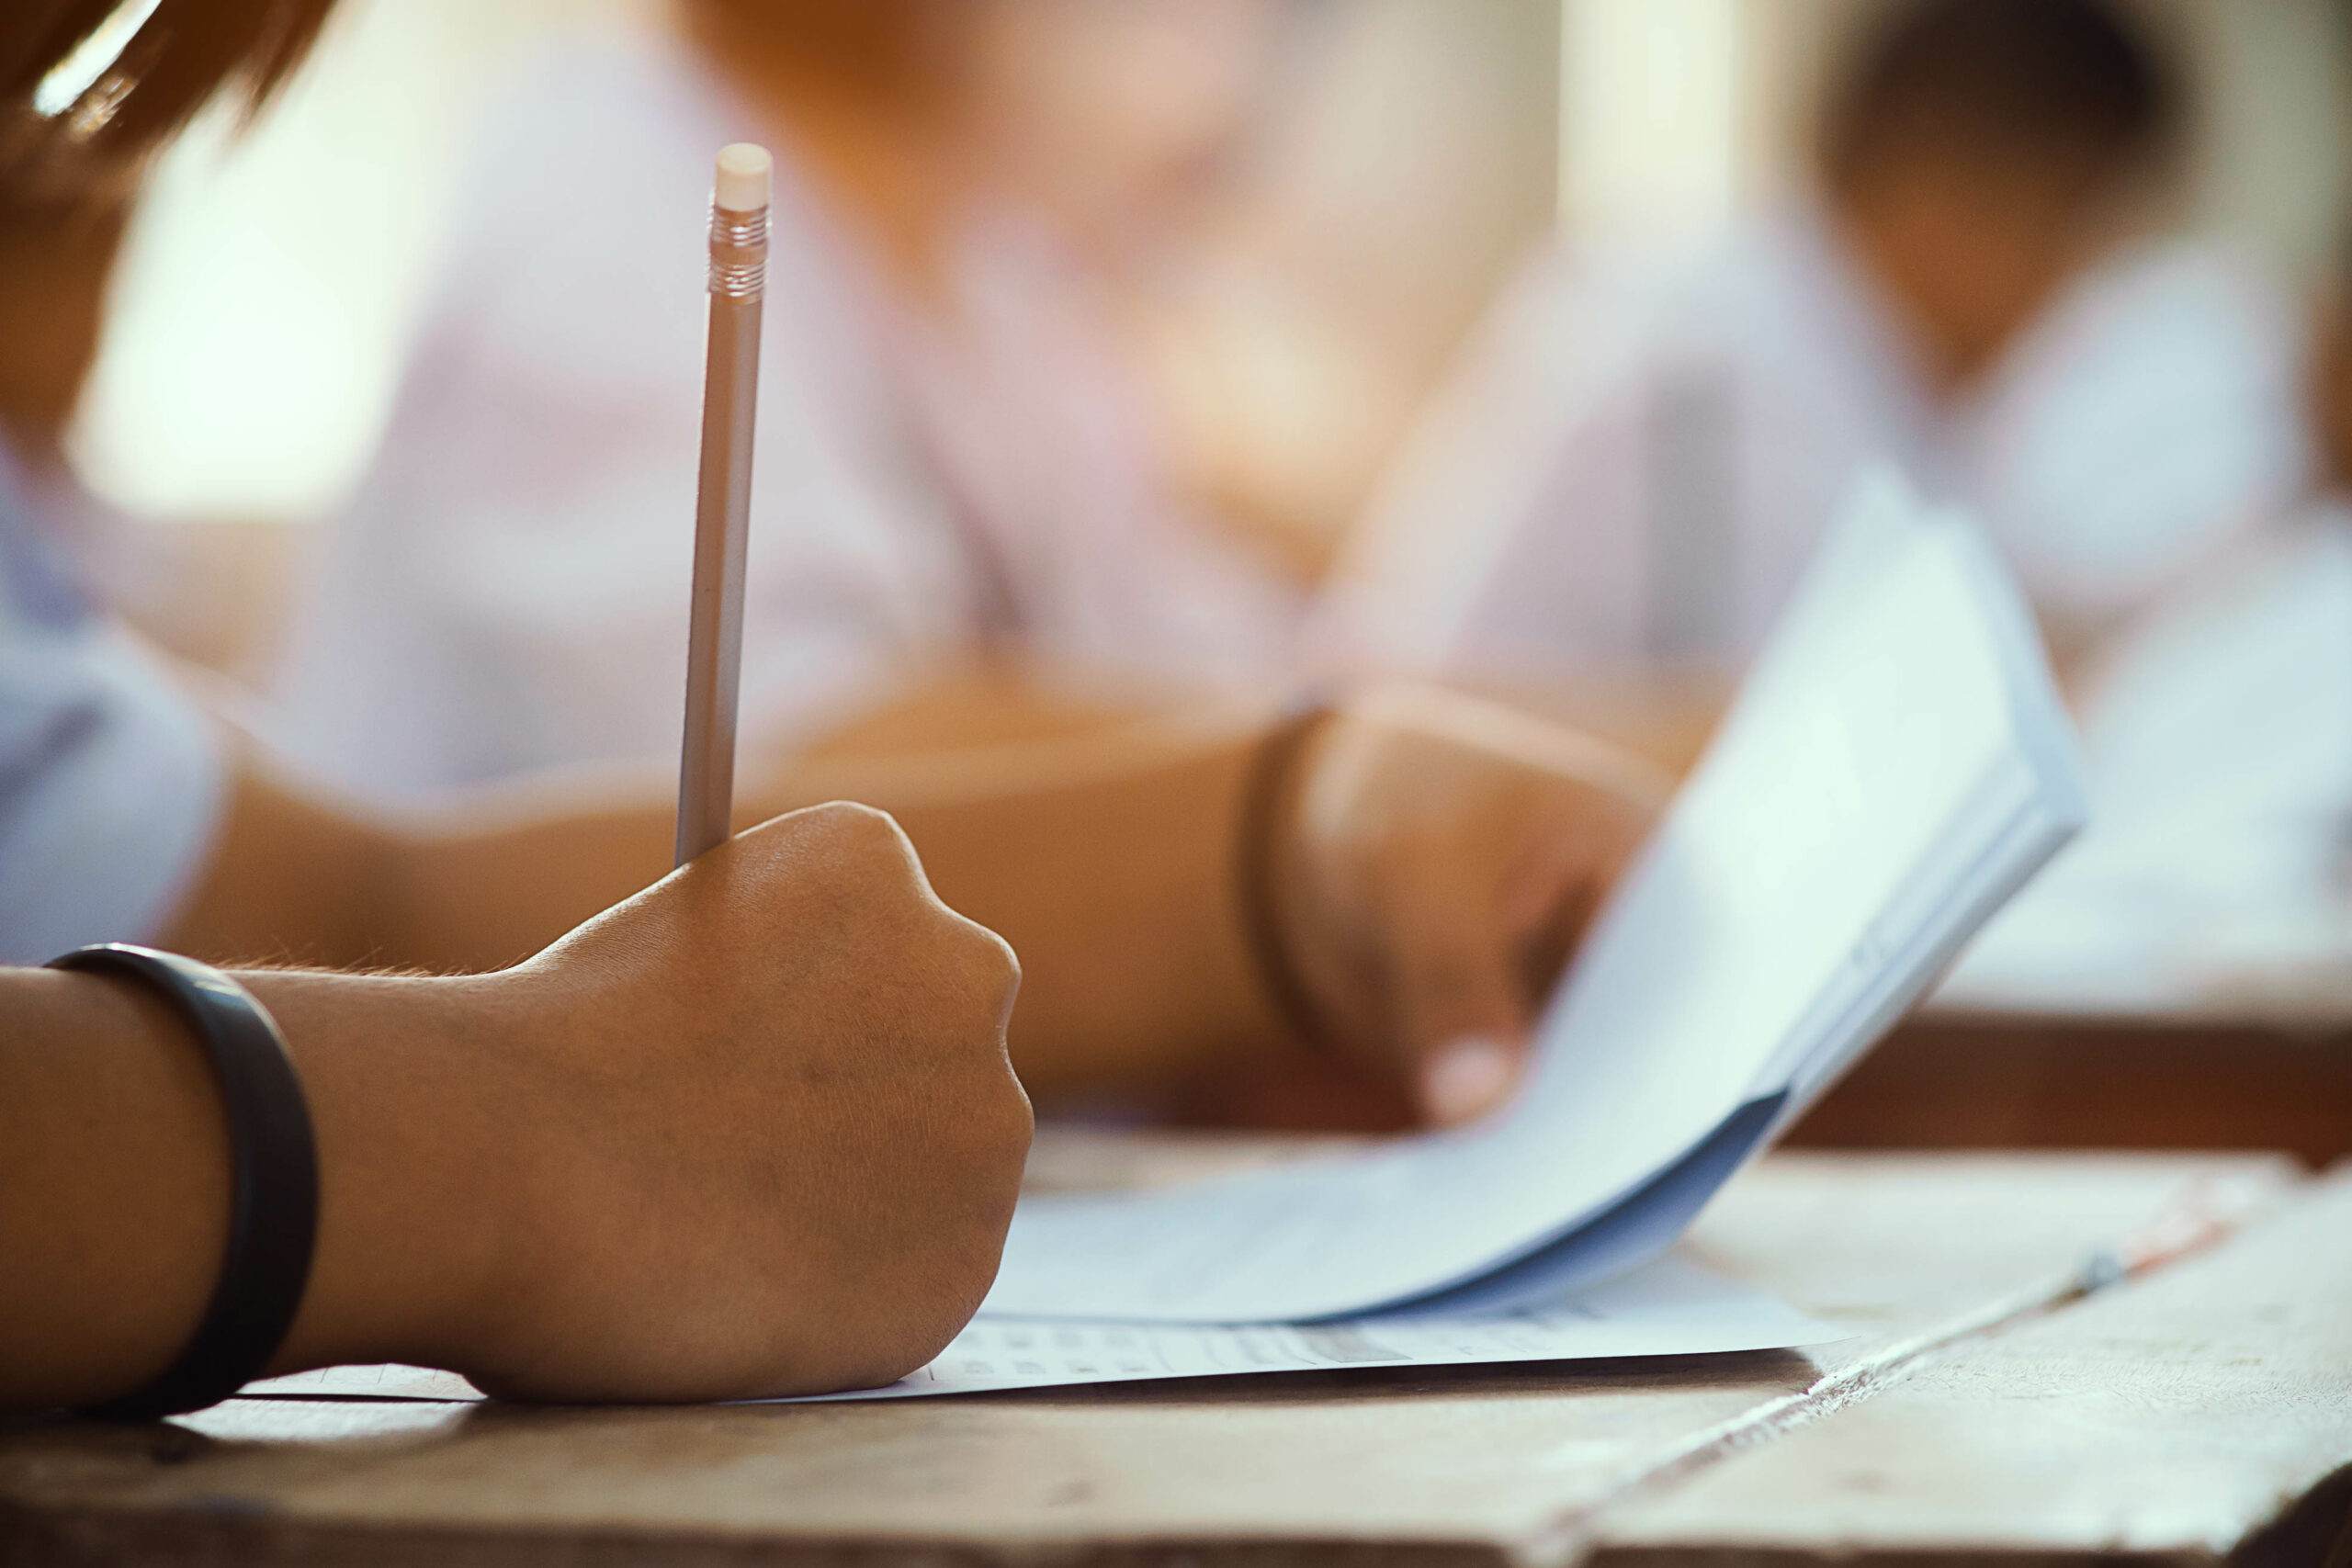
1467, 1078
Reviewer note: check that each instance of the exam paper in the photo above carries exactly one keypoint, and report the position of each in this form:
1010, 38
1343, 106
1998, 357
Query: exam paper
1897, 766
1673, 1308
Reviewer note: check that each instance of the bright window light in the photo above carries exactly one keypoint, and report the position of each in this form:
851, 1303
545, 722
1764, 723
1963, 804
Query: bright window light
1649, 116
91, 59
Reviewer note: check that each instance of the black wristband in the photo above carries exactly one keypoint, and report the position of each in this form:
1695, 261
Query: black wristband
273, 1190
1265, 790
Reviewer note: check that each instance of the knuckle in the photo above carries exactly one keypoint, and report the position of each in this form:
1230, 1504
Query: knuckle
834, 816
973, 964
870, 828
984, 1131
1015, 1119
867, 846
994, 967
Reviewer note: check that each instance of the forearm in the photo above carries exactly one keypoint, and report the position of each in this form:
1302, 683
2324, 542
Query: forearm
1103, 856
113, 1188
114, 1184
293, 879
1115, 887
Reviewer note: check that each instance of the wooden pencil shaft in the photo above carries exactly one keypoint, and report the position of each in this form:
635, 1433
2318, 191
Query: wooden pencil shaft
722, 522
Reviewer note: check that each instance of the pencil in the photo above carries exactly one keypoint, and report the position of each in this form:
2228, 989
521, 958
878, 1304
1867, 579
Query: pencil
739, 268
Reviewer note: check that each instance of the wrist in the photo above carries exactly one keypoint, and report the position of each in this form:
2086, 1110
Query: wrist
412, 1085
1297, 919
1319, 912
1265, 856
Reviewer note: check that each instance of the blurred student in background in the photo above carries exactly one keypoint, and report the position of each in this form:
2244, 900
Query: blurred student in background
1631, 470
954, 465
2218, 734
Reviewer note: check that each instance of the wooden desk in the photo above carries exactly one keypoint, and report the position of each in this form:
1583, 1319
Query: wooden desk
2217, 1080
1986, 1409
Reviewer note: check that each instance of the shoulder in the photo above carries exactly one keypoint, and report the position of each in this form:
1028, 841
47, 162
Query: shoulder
113, 776
36, 587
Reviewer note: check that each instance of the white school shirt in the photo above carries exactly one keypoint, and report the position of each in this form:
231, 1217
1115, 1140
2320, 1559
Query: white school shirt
110, 781
1637, 457
508, 592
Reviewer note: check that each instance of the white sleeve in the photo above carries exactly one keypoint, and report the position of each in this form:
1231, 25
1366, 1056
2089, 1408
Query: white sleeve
110, 784
2142, 428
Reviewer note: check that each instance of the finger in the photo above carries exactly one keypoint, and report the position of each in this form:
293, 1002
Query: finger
1453, 986
1558, 890
1475, 968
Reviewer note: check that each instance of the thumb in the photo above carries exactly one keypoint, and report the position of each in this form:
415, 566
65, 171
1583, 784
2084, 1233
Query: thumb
1464, 1015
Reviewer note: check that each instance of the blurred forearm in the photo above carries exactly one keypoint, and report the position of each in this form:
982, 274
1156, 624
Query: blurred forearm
1102, 857
293, 879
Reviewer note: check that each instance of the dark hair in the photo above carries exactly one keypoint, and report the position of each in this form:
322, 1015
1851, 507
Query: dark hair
2069, 80
187, 54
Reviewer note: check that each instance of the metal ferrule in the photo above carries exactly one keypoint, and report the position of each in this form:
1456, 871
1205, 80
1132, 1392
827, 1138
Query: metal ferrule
739, 253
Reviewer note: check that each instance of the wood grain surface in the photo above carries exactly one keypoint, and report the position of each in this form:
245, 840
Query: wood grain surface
2195, 1416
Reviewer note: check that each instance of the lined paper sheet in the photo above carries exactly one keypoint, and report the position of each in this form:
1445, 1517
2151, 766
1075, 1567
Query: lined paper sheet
1673, 1308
